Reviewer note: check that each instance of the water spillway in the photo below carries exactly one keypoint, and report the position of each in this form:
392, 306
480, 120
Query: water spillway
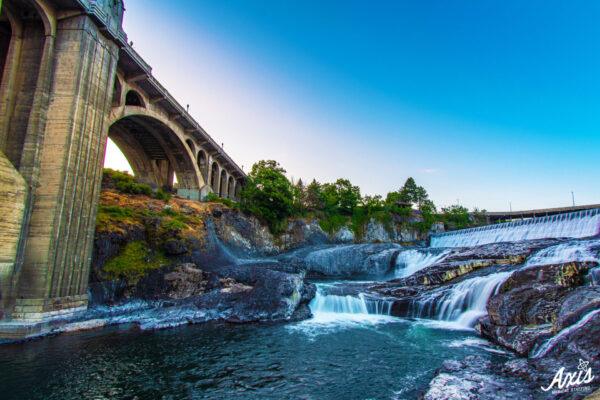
571, 225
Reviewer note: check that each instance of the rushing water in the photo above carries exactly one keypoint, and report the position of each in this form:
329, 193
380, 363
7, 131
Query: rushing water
463, 303
410, 261
572, 225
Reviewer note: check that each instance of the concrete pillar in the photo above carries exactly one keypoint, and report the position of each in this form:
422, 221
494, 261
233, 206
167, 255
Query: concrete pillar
63, 159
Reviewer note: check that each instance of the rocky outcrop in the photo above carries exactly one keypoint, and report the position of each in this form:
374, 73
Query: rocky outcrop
234, 293
544, 313
537, 302
477, 377
344, 261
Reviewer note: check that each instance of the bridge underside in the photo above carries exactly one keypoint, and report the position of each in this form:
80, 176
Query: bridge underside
153, 152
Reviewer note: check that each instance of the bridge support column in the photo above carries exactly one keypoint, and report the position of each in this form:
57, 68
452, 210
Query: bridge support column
62, 163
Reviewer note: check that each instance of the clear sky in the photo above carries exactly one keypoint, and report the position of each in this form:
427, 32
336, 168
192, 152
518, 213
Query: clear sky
484, 102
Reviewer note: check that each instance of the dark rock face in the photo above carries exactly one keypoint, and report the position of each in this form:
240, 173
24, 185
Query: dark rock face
234, 293
528, 306
542, 312
347, 261
175, 282
576, 304
265, 295
108, 245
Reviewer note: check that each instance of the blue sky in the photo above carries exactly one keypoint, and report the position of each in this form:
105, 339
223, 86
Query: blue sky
483, 102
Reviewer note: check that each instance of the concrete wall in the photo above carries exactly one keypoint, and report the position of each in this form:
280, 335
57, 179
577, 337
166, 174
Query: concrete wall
13, 196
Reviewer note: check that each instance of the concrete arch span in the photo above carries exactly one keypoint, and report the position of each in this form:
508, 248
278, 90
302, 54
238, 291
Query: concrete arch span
156, 152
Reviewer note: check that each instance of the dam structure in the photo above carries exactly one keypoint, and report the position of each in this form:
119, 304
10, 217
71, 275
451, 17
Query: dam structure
70, 80
578, 224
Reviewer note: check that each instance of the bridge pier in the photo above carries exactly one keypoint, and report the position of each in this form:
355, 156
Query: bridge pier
54, 115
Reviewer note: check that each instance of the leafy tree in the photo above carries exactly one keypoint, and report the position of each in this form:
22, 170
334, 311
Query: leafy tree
349, 196
392, 197
421, 195
408, 193
312, 197
268, 194
373, 204
456, 217
299, 192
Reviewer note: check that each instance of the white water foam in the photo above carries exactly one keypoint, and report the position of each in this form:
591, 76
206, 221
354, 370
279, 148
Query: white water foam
582, 251
341, 312
462, 304
571, 225
411, 261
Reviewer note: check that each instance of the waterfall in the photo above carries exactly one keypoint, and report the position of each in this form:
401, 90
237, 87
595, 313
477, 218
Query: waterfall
411, 261
571, 225
326, 304
461, 304
582, 251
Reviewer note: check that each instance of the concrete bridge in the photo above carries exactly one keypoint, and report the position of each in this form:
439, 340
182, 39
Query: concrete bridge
69, 80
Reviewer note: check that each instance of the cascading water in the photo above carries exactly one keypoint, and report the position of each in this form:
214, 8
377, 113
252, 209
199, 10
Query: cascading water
410, 261
323, 303
463, 303
581, 251
572, 225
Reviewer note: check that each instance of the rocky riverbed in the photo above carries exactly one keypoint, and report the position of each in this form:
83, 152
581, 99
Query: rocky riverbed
160, 265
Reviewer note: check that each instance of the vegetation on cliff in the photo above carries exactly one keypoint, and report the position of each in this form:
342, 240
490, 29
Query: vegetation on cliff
133, 262
269, 195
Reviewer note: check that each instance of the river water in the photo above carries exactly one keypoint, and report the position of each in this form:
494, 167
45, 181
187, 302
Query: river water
339, 354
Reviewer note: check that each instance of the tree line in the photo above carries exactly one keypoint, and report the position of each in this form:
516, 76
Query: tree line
270, 195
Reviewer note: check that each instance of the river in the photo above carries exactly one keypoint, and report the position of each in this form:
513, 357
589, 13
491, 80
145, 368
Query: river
331, 356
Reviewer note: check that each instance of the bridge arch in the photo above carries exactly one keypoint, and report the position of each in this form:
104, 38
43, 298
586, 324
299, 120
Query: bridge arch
117, 92
133, 98
237, 190
155, 152
190, 145
28, 38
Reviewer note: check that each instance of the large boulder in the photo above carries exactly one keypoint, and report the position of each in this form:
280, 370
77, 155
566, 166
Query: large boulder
352, 260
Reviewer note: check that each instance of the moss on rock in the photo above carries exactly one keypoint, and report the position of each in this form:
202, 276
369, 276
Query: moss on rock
133, 261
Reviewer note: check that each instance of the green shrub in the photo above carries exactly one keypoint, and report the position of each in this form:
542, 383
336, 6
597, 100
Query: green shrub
214, 198
160, 195
133, 262
333, 223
